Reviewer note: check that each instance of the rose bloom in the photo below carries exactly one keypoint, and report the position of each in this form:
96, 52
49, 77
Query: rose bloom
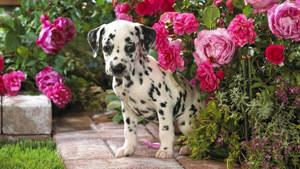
147, 7
284, 20
166, 5
274, 54
67, 27
169, 58
121, 12
59, 94
47, 78
215, 46
2, 87
220, 74
208, 80
161, 39
229, 6
1, 63
12, 82
241, 30
185, 23
261, 6
168, 17
218, 2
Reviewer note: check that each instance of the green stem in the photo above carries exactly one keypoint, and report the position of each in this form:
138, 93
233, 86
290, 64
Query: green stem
250, 79
245, 91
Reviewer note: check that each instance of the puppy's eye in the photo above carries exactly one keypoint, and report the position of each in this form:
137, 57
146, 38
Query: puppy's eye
129, 48
108, 49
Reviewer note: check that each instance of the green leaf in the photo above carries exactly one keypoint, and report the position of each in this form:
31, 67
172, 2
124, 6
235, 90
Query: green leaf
248, 10
238, 3
23, 51
11, 41
100, 2
114, 105
210, 16
118, 118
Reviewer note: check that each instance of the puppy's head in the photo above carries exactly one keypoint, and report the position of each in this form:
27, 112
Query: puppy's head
122, 44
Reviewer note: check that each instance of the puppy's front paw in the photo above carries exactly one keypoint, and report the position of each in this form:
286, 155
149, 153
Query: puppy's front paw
164, 154
125, 151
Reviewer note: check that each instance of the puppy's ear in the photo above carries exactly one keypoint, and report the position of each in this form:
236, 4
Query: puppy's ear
147, 36
94, 38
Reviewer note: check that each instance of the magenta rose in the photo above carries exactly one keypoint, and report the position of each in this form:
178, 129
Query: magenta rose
169, 58
161, 39
59, 94
121, 12
241, 30
215, 46
147, 7
67, 28
2, 87
261, 6
12, 82
166, 5
207, 78
1, 63
274, 54
218, 2
185, 23
284, 20
47, 78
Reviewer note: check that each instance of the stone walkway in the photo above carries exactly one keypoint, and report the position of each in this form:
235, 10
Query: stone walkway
86, 145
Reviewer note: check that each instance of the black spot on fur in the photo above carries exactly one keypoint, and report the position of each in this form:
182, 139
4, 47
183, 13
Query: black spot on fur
133, 72
193, 109
146, 73
132, 99
164, 104
141, 81
115, 58
130, 130
128, 39
143, 102
119, 82
177, 105
118, 50
164, 73
111, 36
165, 148
131, 33
127, 120
165, 128
123, 93
159, 85
151, 91
130, 82
161, 112
150, 69
182, 123
183, 108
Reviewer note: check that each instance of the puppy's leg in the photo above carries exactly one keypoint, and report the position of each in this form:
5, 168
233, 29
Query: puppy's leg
166, 134
130, 122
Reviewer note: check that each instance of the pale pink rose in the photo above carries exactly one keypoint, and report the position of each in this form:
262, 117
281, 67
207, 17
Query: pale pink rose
218, 2
185, 23
66, 26
170, 58
241, 30
161, 39
261, 6
207, 78
215, 46
168, 17
121, 12
59, 94
47, 78
284, 20
12, 82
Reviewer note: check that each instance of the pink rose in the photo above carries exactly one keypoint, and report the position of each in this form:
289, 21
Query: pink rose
229, 6
168, 17
47, 78
59, 94
215, 46
297, 1
166, 5
2, 87
147, 7
241, 30
169, 58
44, 18
161, 39
220, 74
121, 12
1, 63
67, 28
261, 6
185, 23
218, 2
12, 82
284, 20
51, 40
208, 80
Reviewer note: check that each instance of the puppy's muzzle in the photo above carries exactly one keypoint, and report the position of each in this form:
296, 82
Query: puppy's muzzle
118, 69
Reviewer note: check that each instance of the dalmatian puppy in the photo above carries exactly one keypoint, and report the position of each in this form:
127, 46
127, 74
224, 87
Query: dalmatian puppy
145, 89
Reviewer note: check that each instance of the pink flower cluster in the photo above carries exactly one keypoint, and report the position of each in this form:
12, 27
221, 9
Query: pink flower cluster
261, 6
121, 11
284, 20
52, 85
10, 83
229, 4
241, 30
169, 52
150, 7
53, 37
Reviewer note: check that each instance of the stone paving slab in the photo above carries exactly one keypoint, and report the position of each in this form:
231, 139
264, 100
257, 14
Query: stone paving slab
72, 123
189, 163
124, 163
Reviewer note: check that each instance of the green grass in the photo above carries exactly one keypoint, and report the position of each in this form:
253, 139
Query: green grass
27, 154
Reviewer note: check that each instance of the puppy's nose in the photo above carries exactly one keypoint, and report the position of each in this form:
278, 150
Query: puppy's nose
118, 69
